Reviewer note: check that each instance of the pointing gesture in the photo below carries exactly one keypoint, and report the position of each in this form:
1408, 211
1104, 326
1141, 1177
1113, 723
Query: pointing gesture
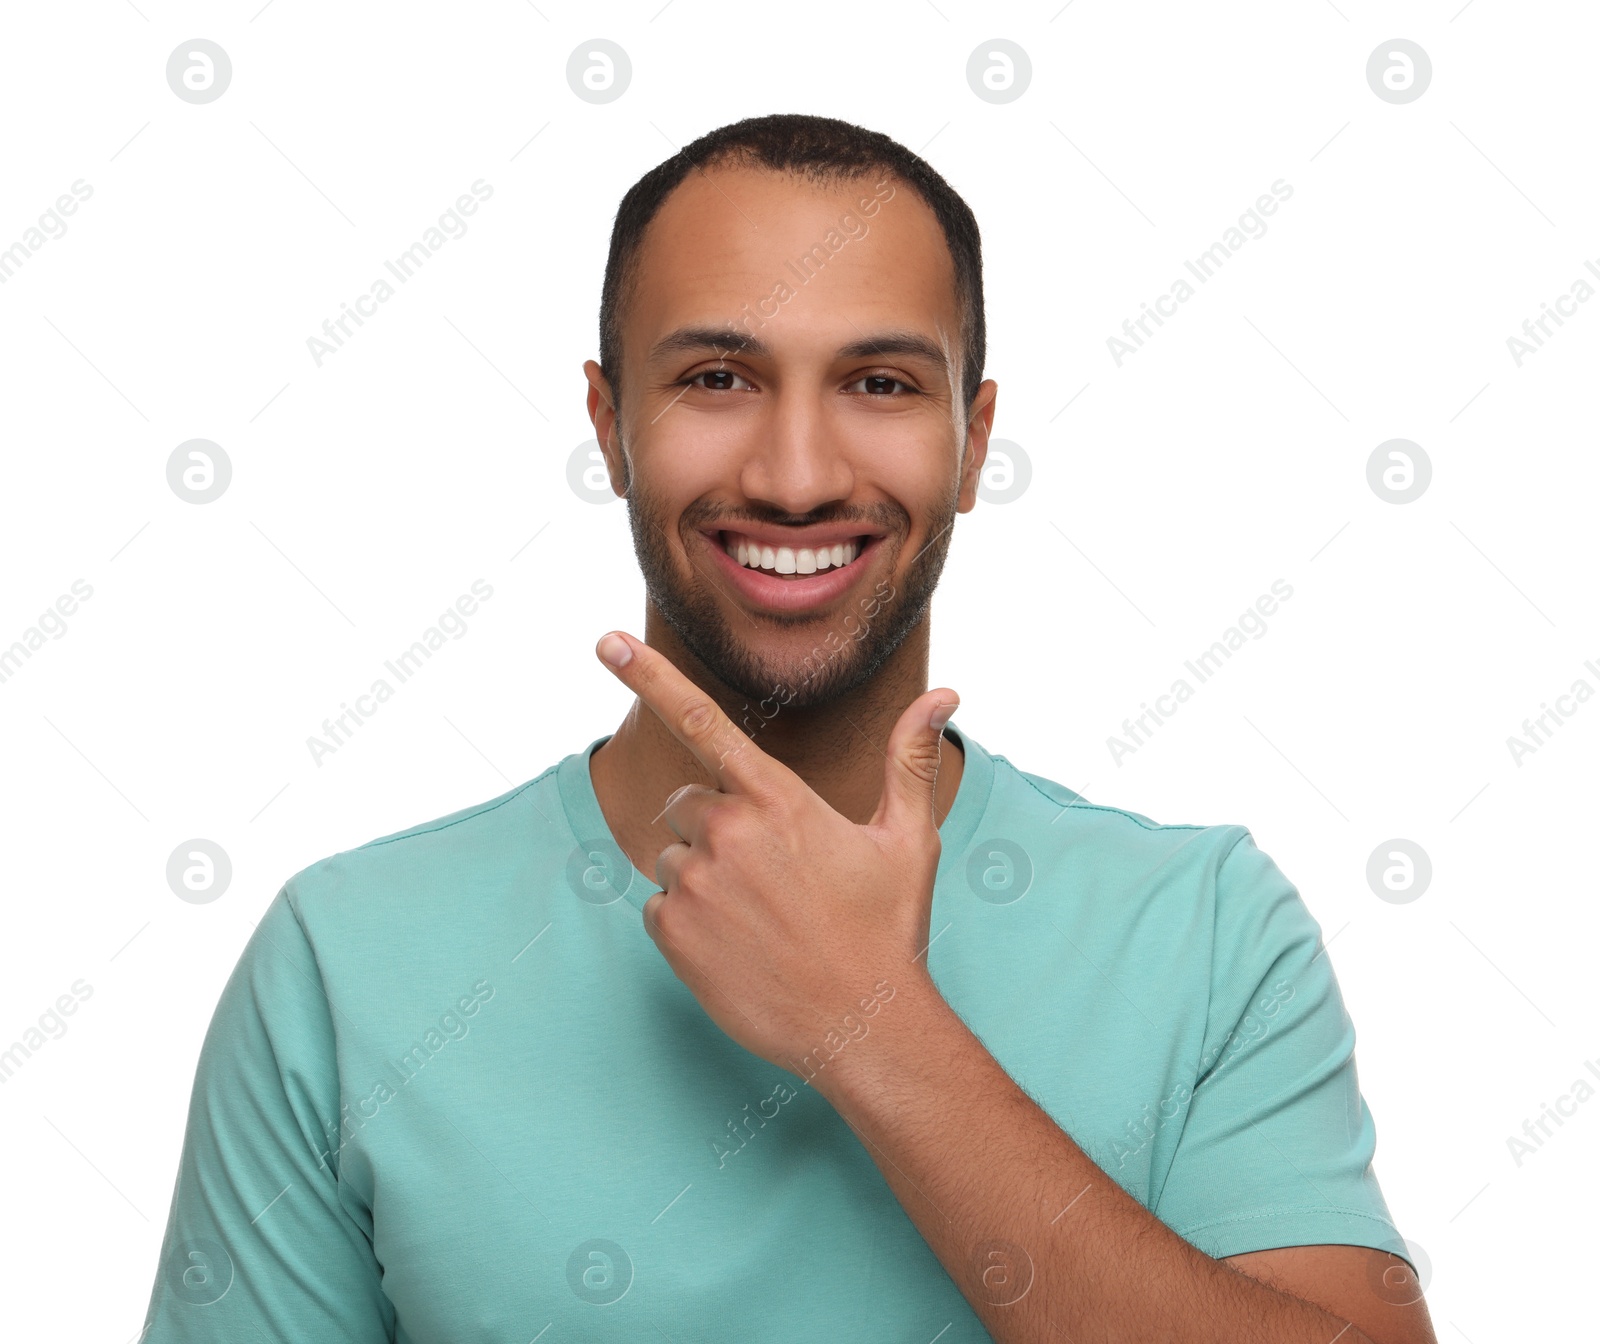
778, 913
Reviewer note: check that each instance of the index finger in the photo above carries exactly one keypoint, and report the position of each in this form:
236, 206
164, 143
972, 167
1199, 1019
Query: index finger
693, 717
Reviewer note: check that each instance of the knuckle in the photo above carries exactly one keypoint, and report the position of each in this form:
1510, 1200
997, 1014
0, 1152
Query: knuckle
722, 820
699, 718
717, 825
923, 763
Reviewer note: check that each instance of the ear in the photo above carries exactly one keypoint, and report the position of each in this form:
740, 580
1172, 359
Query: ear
603, 415
976, 448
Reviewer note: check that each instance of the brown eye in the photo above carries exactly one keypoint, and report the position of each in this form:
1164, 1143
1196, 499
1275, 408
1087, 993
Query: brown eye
879, 385
723, 381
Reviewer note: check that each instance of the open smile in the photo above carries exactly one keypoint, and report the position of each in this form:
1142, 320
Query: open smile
788, 577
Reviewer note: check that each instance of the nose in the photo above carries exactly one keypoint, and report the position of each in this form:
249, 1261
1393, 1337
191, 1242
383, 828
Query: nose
797, 462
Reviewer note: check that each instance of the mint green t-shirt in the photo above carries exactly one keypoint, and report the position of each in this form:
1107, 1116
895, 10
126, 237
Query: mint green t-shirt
452, 1091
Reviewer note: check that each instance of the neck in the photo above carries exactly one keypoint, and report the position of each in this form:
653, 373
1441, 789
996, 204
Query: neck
837, 748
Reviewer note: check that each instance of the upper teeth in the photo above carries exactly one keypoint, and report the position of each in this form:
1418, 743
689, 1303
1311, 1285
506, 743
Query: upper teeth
789, 559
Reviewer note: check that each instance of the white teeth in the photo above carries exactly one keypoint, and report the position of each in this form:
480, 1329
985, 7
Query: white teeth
792, 559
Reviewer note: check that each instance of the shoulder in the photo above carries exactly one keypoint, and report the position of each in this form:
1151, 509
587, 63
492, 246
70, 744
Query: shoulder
1208, 883
1106, 840
1201, 896
428, 865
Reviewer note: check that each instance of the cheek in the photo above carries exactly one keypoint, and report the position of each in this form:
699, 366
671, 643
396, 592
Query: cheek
687, 458
912, 461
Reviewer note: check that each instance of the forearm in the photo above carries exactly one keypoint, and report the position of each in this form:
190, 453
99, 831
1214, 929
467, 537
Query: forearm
1041, 1242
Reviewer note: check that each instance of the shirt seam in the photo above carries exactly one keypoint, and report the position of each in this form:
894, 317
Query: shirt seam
427, 829
1201, 1074
1100, 807
1295, 1210
1160, 1189
335, 1163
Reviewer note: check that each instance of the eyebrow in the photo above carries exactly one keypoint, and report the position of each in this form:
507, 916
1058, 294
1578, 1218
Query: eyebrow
730, 340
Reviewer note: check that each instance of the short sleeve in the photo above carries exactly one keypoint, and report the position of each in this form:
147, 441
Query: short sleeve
1277, 1142
263, 1242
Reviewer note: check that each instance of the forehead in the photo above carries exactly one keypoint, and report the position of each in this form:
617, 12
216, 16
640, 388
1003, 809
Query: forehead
729, 239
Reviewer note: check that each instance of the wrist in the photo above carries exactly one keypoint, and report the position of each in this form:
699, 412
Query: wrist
891, 1050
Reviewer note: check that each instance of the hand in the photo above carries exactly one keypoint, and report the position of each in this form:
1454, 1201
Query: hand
778, 913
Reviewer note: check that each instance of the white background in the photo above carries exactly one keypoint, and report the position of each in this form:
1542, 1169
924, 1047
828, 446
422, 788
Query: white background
1167, 495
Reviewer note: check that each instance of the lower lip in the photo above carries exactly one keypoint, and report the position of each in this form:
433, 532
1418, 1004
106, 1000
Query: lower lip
815, 590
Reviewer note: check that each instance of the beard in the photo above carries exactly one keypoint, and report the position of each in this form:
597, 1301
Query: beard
848, 648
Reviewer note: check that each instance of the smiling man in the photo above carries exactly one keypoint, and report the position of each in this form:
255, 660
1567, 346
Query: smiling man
786, 1010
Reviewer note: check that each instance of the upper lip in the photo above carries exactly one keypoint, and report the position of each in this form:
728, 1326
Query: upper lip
796, 538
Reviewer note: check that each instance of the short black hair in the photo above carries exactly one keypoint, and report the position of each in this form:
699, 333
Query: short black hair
819, 149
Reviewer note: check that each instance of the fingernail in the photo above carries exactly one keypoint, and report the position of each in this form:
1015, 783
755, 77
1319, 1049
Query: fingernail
941, 715
614, 649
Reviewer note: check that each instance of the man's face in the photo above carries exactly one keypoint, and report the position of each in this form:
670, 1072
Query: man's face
813, 416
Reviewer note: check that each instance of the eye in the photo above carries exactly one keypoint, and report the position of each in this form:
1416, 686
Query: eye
877, 388
693, 380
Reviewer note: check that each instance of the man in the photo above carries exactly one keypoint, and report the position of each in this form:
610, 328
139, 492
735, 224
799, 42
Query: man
787, 1011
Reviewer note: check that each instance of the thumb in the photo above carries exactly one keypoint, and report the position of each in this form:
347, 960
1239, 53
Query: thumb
912, 765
